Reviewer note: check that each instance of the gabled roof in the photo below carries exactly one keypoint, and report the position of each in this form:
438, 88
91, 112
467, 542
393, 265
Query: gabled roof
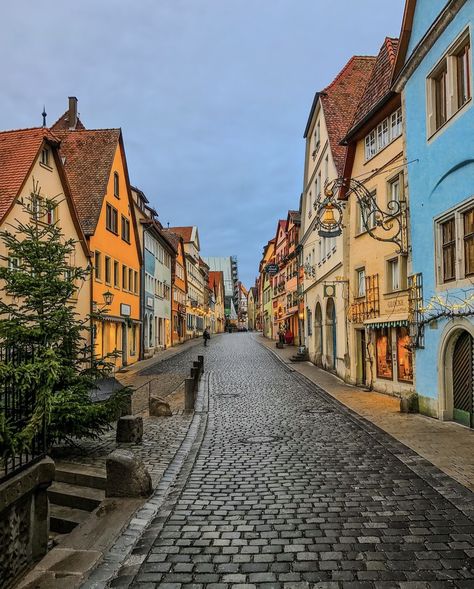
62, 124
405, 34
18, 152
294, 217
157, 228
216, 277
340, 100
88, 156
173, 238
379, 85
184, 232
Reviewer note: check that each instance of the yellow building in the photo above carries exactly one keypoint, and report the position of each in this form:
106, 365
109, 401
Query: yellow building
377, 314
96, 169
30, 165
266, 297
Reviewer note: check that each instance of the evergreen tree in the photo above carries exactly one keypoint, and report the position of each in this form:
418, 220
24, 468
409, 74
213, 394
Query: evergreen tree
55, 367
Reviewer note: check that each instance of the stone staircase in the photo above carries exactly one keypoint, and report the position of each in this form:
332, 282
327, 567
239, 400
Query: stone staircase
75, 493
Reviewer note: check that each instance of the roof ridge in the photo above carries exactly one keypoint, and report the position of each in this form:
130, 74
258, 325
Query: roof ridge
346, 67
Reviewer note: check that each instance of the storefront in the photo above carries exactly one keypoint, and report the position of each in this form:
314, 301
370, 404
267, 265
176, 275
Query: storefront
391, 357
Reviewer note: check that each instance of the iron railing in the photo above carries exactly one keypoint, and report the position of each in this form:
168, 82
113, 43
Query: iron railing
16, 408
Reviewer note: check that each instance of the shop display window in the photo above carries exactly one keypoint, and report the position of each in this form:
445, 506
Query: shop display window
404, 355
383, 344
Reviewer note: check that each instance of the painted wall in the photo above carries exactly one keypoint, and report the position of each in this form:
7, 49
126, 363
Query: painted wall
440, 179
109, 336
425, 13
51, 188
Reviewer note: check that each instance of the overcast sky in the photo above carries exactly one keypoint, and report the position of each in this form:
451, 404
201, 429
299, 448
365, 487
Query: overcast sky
212, 95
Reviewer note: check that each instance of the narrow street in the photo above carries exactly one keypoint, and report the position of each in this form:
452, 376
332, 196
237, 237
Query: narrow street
287, 488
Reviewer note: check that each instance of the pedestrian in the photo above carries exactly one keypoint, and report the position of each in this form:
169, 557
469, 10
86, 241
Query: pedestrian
206, 336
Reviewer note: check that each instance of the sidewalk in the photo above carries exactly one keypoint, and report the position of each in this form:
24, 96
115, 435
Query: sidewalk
447, 445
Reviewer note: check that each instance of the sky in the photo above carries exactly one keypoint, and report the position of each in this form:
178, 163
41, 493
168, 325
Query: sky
212, 95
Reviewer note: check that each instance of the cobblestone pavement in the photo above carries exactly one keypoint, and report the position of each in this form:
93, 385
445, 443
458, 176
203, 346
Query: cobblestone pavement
291, 489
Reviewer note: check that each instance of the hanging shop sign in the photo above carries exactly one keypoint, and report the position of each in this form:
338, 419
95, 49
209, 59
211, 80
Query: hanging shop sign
271, 269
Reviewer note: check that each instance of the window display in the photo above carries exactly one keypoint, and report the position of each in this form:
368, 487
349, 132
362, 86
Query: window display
404, 355
383, 345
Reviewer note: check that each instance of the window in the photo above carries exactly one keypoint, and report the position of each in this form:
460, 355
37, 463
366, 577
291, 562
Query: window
448, 242
36, 207
135, 282
116, 274
116, 185
383, 346
404, 355
130, 280
125, 229
13, 264
309, 322
386, 132
367, 216
44, 158
449, 85
111, 219
51, 215
98, 265
393, 275
463, 62
468, 223
124, 278
395, 187
317, 138
360, 282
107, 270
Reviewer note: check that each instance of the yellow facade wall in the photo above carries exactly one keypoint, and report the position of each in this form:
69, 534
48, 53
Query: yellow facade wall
110, 336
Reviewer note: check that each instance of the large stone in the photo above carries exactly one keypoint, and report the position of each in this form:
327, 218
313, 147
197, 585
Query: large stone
130, 429
126, 475
159, 408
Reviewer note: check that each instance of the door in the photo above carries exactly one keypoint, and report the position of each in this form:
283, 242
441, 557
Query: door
361, 357
124, 344
463, 380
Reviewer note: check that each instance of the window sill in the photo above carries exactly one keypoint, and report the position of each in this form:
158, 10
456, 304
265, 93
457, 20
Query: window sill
112, 231
46, 166
456, 283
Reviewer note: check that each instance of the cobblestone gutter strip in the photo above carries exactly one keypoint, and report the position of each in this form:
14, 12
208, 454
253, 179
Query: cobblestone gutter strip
130, 549
461, 497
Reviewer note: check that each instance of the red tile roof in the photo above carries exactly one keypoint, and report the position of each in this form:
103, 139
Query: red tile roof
88, 157
62, 124
340, 101
184, 232
215, 276
380, 80
18, 152
173, 238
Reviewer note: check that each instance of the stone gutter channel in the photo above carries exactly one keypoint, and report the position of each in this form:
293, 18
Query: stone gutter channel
125, 556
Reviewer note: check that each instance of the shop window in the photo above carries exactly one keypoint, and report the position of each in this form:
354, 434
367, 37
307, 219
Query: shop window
404, 355
383, 344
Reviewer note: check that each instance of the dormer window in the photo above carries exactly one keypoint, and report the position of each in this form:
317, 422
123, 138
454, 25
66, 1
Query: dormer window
316, 139
44, 158
116, 185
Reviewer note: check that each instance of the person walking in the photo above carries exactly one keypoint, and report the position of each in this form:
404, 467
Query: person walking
206, 336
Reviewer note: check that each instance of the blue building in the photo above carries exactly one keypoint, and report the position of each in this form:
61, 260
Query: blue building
434, 72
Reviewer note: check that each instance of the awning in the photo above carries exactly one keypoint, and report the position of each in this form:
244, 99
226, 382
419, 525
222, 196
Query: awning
288, 315
400, 320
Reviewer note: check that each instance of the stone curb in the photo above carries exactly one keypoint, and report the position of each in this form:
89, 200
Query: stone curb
125, 556
458, 495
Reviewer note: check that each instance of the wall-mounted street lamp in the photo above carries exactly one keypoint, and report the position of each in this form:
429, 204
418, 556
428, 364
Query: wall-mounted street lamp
108, 298
392, 222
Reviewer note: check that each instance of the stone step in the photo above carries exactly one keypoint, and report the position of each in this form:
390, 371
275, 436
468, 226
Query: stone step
75, 496
80, 475
64, 519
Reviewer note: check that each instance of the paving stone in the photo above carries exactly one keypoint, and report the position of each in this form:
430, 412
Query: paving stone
295, 491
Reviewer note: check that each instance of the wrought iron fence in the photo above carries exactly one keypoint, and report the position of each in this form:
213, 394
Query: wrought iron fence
16, 408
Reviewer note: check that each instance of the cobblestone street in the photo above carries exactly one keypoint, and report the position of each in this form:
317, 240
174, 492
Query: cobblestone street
291, 489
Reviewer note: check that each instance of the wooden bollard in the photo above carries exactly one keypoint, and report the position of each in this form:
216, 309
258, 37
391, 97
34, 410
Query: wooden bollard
189, 395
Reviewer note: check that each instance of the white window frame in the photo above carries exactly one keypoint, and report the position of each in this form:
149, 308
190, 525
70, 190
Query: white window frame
457, 213
453, 108
360, 282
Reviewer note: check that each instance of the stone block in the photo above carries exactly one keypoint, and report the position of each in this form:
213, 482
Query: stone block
130, 429
126, 475
159, 408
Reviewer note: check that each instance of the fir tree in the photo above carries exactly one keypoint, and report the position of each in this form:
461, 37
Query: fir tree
39, 325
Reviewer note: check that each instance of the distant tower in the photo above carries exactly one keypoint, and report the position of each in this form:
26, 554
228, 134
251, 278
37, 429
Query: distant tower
44, 115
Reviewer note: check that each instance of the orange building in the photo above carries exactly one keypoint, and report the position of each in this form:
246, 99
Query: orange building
96, 169
179, 289
293, 223
279, 280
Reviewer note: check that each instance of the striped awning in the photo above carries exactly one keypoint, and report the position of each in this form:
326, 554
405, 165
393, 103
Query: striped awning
394, 320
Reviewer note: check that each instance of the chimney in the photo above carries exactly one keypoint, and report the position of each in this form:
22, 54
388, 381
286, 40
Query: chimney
72, 115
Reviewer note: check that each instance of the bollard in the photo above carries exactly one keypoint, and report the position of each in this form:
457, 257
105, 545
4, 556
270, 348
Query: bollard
195, 376
189, 395
197, 365
201, 361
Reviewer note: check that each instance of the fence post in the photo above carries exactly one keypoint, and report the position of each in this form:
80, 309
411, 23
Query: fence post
189, 395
